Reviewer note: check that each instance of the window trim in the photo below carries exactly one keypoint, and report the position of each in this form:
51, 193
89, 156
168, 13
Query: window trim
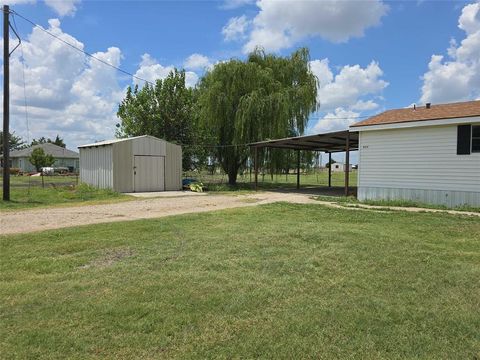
474, 138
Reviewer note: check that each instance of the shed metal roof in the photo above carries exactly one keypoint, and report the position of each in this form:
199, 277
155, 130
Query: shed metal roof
49, 149
113, 141
327, 142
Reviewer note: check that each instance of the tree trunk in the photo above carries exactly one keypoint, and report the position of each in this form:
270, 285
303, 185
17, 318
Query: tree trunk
232, 177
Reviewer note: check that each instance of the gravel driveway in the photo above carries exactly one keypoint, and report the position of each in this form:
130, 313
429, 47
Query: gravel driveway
24, 221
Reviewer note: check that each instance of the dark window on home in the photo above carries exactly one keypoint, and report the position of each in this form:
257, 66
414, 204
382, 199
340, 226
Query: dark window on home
464, 137
475, 138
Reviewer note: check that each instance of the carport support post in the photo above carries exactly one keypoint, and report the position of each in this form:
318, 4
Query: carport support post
329, 169
255, 164
347, 162
298, 169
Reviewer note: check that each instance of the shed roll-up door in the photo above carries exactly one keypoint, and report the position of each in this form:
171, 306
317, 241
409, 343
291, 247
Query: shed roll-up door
149, 173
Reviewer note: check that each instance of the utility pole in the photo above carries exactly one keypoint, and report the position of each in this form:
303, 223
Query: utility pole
6, 103
6, 99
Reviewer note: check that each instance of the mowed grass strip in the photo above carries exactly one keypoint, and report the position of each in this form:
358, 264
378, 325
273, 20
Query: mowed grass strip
275, 281
26, 197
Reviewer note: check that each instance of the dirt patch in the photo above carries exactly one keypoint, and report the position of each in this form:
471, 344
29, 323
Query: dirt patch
109, 257
250, 200
24, 221
13, 222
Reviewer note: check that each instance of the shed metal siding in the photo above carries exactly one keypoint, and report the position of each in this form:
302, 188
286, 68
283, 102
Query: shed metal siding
112, 165
417, 164
123, 166
173, 167
149, 145
96, 166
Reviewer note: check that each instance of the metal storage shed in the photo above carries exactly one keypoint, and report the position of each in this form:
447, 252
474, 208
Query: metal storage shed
137, 164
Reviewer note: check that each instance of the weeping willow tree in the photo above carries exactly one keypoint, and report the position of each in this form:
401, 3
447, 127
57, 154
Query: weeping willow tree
264, 97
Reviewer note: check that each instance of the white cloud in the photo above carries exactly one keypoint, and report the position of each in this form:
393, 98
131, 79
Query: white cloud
349, 86
280, 24
365, 105
16, 2
345, 95
63, 7
456, 77
339, 119
234, 4
235, 28
469, 20
67, 93
151, 70
197, 62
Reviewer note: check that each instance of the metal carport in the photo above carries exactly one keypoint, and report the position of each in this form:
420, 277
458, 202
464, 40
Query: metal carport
332, 142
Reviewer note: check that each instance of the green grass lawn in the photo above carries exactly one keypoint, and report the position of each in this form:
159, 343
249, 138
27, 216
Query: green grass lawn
219, 182
275, 281
27, 192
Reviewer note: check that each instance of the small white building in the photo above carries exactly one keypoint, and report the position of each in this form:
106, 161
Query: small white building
137, 164
427, 154
340, 167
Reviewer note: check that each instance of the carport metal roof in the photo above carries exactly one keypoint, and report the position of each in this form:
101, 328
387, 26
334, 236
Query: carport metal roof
326, 142
337, 141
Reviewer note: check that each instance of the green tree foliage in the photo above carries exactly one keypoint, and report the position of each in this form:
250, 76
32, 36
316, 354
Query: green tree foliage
57, 141
15, 141
329, 163
167, 111
39, 159
264, 97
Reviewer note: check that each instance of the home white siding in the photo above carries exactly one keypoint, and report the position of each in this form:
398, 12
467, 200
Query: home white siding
419, 164
96, 166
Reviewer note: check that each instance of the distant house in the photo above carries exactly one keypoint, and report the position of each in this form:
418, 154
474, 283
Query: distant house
426, 154
63, 157
340, 167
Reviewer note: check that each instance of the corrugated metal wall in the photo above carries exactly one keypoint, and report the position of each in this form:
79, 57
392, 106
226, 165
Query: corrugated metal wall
149, 173
112, 166
149, 145
123, 166
448, 198
173, 167
96, 166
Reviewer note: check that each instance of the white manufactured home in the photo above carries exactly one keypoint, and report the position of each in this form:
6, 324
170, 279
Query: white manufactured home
427, 154
137, 164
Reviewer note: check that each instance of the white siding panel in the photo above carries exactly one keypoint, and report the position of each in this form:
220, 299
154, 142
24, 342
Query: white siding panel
96, 166
417, 164
417, 158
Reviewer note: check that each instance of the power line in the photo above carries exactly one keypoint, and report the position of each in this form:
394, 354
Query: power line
81, 50
24, 85
139, 78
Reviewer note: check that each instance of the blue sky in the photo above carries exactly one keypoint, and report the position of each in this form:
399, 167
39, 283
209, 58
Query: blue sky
369, 56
